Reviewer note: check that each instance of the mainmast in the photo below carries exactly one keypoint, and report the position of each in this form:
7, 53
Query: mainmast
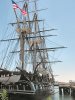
22, 39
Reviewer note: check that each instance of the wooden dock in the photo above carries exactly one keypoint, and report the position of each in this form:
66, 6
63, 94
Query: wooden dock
67, 88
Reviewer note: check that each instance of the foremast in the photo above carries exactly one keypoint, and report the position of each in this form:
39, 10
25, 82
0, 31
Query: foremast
21, 35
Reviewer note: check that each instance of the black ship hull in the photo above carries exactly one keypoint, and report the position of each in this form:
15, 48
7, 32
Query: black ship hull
21, 96
28, 96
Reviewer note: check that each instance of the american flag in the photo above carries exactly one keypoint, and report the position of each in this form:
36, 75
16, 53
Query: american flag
14, 5
23, 12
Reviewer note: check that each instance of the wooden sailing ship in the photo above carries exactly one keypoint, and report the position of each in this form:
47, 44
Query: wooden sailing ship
33, 54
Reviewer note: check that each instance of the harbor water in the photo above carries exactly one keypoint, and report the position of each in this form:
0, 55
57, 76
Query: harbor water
57, 96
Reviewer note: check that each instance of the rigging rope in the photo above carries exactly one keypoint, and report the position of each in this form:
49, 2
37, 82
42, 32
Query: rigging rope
11, 57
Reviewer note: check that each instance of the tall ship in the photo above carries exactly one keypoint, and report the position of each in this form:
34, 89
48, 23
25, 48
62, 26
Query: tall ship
25, 70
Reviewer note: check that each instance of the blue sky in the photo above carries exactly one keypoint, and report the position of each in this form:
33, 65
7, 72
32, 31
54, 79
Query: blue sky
60, 15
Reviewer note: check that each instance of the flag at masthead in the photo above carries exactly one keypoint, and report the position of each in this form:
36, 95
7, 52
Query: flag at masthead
15, 6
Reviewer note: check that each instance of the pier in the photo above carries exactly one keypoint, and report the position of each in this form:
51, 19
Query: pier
67, 88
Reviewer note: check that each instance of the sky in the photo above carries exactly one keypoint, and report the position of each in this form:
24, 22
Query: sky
60, 15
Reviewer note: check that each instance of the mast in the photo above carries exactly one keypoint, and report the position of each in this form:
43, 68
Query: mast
22, 35
22, 49
21, 41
